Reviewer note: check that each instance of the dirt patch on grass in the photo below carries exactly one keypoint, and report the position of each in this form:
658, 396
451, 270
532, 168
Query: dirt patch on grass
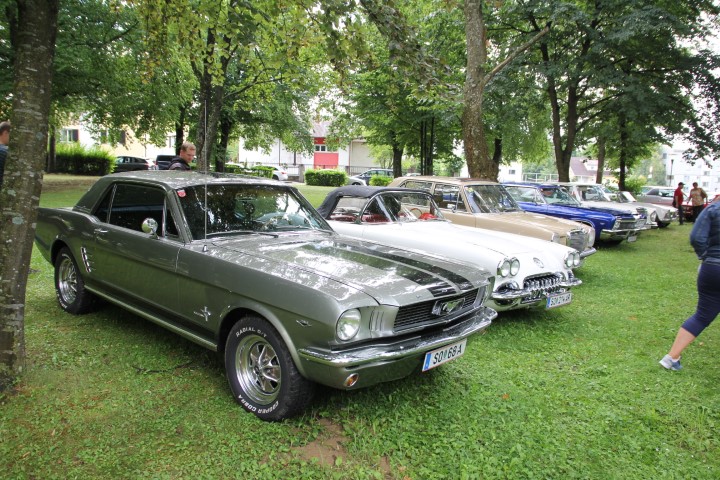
330, 446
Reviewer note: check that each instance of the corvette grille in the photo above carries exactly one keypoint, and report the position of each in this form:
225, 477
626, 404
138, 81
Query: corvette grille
419, 315
543, 284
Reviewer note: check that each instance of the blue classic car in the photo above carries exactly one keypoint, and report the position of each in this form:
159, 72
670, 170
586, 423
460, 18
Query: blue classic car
551, 199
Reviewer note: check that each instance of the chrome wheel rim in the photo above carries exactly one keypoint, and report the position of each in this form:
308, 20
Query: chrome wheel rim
258, 369
67, 281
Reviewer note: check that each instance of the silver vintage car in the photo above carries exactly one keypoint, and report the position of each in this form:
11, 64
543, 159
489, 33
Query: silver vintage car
246, 267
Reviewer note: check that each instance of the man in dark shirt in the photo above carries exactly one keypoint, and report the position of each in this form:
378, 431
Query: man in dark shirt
182, 161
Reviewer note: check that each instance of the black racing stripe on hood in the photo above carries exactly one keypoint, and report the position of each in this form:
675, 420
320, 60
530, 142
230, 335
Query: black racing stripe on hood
413, 270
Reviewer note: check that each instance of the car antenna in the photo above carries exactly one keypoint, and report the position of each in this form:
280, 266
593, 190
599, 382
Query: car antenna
207, 168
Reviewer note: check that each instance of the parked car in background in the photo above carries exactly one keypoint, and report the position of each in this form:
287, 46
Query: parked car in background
163, 161
658, 195
664, 215
130, 164
595, 195
279, 174
550, 199
364, 178
486, 204
246, 267
528, 272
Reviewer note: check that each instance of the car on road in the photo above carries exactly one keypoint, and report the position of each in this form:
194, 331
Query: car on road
528, 272
485, 204
610, 225
364, 177
246, 267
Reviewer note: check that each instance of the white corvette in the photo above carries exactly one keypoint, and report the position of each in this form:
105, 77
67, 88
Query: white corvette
528, 272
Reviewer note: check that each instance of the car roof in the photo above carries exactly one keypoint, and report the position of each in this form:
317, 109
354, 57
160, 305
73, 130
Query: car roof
359, 191
454, 180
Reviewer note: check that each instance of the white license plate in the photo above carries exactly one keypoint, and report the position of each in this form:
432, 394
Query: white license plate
632, 238
559, 299
443, 355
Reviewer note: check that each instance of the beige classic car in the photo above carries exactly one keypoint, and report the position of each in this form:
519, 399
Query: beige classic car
486, 204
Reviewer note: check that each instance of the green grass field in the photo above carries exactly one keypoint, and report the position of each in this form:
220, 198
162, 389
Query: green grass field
574, 392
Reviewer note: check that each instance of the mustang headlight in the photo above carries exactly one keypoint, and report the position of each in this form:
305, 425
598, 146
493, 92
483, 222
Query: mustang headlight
348, 325
508, 267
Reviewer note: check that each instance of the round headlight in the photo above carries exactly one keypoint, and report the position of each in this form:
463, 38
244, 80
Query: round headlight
348, 325
504, 268
514, 266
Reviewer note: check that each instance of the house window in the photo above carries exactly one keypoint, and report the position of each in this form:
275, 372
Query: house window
69, 135
170, 141
321, 148
511, 171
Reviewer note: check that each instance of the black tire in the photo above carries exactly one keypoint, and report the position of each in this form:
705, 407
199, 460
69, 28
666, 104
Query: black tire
663, 224
261, 373
70, 286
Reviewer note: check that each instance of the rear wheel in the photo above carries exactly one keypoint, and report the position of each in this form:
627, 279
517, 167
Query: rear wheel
70, 286
261, 372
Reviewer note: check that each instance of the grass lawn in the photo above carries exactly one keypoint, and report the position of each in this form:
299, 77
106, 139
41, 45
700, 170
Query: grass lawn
574, 392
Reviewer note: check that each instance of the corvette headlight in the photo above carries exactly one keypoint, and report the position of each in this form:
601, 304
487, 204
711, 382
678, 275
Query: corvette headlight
514, 266
348, 325
572, 259
509, 266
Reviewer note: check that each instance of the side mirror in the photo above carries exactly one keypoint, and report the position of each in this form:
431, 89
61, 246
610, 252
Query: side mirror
150, 226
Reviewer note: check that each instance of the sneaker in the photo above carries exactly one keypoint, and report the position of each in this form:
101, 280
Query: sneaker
670, 364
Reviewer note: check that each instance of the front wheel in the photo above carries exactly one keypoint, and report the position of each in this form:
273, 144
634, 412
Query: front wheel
261, 373
70, 286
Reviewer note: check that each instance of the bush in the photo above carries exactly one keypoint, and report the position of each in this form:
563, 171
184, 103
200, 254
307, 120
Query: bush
75, 159
634, 184
256, 171
325, 178
380, 180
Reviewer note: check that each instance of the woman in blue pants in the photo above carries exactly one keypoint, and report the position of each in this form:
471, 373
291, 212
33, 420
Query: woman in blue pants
705, 239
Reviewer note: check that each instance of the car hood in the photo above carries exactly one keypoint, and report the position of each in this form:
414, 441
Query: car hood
484, 247
522, 220
575, 211
389, 275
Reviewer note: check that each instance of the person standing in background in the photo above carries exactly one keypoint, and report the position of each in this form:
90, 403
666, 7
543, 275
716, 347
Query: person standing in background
678, 199
4, 141
705, 240
698, 197
184, 159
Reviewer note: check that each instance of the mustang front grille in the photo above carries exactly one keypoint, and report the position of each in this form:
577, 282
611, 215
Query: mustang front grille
421, 314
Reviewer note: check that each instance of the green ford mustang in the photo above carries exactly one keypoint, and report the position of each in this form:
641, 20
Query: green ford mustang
246, 267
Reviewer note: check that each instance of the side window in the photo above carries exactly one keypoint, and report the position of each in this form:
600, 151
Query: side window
129, 205
417, 185
448, 196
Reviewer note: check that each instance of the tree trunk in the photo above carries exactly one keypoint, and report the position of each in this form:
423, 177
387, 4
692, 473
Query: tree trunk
476, 149
180, 130
397, 151
35, 51
622, 124
601, 159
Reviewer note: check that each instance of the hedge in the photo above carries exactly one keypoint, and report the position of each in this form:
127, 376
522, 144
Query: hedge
256, 171
325, 178
75, 159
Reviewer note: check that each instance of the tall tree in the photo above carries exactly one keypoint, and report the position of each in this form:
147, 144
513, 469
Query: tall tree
20, 193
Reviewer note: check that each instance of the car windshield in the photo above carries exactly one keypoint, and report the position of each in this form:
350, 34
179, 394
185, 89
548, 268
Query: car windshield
224, 209
489, 199
387, 207
558, 196
594, 192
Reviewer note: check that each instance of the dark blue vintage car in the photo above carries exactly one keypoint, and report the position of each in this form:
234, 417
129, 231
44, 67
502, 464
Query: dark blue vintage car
550, 199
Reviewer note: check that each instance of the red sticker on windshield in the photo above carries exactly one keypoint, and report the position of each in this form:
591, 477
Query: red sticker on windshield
181, 193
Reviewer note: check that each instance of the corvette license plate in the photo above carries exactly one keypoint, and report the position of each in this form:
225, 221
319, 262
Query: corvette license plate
443, 355
559, 299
